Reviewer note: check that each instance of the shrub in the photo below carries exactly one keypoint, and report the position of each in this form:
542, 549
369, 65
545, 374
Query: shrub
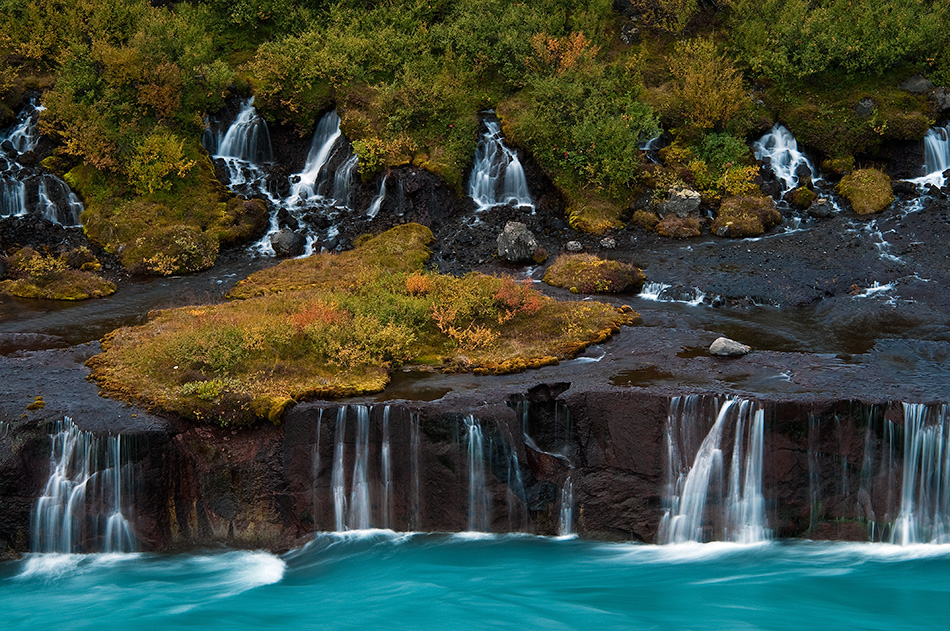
678, 227
707, 89
746, 216
645, 219
587, 274
64, 277
158, 156
867, 190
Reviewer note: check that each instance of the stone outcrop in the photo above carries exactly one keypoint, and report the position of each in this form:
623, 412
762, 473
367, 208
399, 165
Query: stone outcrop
682, 202
516, 244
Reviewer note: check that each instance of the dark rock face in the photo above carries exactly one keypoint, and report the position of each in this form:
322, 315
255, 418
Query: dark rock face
286, 242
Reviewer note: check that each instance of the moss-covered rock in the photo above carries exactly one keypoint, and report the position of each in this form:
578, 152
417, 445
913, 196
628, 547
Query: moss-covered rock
645, 219
802, 197
678, 227
67, 276
746, 216
867, 190
588, 274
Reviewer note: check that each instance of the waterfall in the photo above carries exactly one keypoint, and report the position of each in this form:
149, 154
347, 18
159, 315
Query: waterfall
315, 467
781, 149
325, 139
33, 190
246, 139
565, 524
515, 492
497, 176
387, 472
359, 513
936, 156
479, 502
343, 180
925, 490
415, 441
373, 209
337, 483
701, 504
82, 489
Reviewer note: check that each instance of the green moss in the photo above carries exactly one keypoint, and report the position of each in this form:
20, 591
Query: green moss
334, 325
746, 216
867, 190
589, 274
645, 219
802, 197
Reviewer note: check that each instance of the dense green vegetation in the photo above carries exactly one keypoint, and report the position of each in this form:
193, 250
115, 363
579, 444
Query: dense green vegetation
65, 276
335, 325
126, 86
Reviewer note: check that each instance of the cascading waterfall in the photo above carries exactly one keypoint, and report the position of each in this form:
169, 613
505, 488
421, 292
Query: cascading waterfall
82, 489
936, 157
359, 513
343, 181
247, 138
315, 466
385, 456
925, 489
415, 446
497, 176
479, 502
700, 506
337, 482
32, 190
374, 207
781, 149
325, 139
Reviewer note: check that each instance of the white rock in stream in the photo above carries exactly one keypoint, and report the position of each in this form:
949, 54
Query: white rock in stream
724, 347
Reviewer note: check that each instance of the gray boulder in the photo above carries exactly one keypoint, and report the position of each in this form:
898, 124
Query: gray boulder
724, 347
821, 208
575, 246
918, 84
941, 100
865, 107
287, 243
516, 243
683, 202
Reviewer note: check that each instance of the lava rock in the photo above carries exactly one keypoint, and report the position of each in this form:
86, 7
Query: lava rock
286, 220
516, 243
821, 208
865, 107
287, 243
918, 84
724, 347
574, 246
683, 202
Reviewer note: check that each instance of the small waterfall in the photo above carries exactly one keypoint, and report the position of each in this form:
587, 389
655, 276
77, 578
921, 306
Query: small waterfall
781, 149
515, 493
565, 524
925, 490
315, 467
936, 157
337, 482
343, 181
479, 502
373, 209
83, 487
415, 445
497, 176
324, 141
33, 190
702, 504
387, 472
247, 139
359, 512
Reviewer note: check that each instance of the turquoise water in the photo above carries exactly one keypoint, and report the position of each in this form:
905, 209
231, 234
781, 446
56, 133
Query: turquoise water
381, 580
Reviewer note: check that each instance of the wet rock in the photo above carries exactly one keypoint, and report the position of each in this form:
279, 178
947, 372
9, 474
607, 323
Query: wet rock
941, 100
724, 347
27, 159
608, 243
865, 107
804, 175
286, 220
287, 243
516, 243
574, 246
683, 202
821, 208
918, 84
905, 188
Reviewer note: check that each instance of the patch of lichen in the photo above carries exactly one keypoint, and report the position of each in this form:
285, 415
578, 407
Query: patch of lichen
335, 325
173, 231
823, 113
67, 276
747, 216
867, 190
588, 274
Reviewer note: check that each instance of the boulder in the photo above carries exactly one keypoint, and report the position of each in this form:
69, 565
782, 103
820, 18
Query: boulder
724, 347
918, 84
865, 107
941, 100
821, 208
608, 243
287, 243
683, 202
516, 243
629, 33
574, 246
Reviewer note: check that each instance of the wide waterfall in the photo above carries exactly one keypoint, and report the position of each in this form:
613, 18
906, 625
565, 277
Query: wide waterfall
26, 190
86, 504
497, 176
780, 149
702, 503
